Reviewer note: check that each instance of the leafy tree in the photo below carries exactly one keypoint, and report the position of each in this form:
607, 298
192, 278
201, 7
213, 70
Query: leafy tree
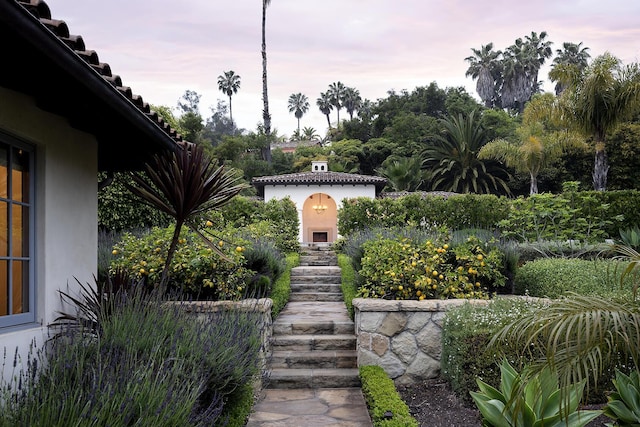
485, 67
403, 174
229, 83
453, 160
352, 101
168, 116
499, 124
219, 124
298, 105
266, 150
599, 98
571, 55
190, 121
325, 105
374, 152
336, 94
347, 153
539, 142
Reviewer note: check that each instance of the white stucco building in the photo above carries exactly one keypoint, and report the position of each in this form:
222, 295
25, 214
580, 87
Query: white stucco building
318, 196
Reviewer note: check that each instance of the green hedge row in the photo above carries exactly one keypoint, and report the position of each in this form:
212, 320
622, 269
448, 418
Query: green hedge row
554, 277
582, 215
386, 407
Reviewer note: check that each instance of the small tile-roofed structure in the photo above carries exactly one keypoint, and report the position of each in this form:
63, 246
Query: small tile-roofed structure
317, 196
67, 78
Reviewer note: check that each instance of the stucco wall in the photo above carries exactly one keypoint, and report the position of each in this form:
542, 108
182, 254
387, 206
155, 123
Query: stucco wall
66, 210
299, 194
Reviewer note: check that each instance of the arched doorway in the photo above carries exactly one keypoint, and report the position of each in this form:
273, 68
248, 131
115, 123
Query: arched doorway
319, 219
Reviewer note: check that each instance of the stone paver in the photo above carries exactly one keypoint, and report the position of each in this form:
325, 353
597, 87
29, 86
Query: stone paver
336, 407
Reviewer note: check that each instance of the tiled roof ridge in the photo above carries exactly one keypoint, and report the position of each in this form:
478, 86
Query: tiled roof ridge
40, 10
319, 177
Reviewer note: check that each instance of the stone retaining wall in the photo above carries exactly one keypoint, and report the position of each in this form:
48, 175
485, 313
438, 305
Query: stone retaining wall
402, 337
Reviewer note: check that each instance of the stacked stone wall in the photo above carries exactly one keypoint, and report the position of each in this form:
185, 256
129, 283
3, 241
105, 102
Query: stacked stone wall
402, 337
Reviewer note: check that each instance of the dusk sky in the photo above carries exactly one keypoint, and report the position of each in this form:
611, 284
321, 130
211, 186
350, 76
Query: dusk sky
162, 48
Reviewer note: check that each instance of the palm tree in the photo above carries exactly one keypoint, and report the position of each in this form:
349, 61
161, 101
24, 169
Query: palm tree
352, 101
597, 99
325, 105
266, 150
229, 83
540, 143
298, 105
365, 112
453, 161
521, 64
309, 134
571, 55
336, 95
185, 184
485, 67
403, 174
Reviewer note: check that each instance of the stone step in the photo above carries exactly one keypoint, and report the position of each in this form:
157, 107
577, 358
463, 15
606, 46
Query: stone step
307, 270
310, 328
298, 286
315, 279
325, 359
313, 378
316, 296
313, 342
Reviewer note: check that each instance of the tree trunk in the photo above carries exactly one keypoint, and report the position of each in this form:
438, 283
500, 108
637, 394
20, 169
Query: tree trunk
600, 168
328, 121
533, 188
230, 113
266, 151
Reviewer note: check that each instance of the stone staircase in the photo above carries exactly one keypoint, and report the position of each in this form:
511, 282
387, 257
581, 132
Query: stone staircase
313, 343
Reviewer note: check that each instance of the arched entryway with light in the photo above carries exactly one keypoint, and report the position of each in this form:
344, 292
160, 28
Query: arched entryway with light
320, 219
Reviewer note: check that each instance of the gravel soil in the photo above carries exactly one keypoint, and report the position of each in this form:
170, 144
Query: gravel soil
433, 404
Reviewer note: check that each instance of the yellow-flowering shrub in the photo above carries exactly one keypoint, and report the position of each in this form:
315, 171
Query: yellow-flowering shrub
195, 270
397, 268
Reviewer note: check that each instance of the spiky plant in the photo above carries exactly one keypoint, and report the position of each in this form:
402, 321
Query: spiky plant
185, 184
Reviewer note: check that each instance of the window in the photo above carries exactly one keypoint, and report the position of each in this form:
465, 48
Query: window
17, 299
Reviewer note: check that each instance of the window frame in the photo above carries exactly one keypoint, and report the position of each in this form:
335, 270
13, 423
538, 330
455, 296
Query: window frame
28, 317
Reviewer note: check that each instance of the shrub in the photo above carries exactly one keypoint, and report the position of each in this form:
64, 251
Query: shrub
348, 284
195, 269
466, 331
399, 269
554, 277
262, 257
152, 363
282, 287
386, 407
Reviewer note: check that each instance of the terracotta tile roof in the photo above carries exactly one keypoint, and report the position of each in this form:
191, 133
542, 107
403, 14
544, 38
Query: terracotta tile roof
44, 60
319, 178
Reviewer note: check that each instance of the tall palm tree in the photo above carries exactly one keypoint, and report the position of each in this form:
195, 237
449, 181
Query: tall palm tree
298, 105
229, 83
352, 101
571, 55
521, 65
336, 95
485, 66
540, 143
453, 159
325, 105
597, 99
266, 151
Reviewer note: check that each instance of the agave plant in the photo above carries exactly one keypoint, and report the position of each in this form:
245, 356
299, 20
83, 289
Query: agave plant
624, 404
535, 402
185, 184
